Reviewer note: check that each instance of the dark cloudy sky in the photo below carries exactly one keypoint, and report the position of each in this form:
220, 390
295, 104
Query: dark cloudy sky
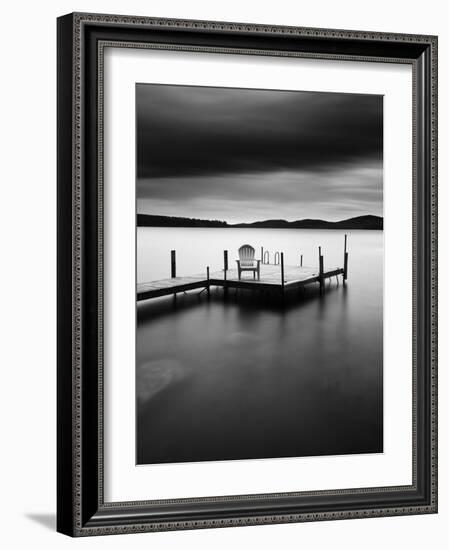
244, 155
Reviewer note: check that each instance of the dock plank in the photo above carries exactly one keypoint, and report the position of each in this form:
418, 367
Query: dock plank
172, 285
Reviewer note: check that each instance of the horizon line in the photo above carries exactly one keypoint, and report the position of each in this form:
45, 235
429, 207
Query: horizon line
261, 220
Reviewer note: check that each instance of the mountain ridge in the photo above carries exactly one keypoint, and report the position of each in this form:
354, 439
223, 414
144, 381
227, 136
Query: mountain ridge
357, 222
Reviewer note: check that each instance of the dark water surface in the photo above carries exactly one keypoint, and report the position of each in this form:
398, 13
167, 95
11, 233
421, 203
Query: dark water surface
250, 377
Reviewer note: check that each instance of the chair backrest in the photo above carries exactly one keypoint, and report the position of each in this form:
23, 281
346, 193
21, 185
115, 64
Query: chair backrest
246, 254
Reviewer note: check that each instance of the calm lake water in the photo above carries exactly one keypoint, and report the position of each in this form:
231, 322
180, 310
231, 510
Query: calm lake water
247, 376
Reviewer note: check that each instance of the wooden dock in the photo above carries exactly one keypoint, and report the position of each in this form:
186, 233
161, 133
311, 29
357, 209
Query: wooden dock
273, 277
270, 279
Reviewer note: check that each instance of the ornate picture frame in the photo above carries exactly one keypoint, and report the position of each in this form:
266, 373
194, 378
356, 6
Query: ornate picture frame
81, 507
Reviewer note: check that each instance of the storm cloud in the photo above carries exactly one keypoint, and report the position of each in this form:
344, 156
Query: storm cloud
243, 155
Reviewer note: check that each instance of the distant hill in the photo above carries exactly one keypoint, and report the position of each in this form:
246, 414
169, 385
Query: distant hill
359, 222
148, 220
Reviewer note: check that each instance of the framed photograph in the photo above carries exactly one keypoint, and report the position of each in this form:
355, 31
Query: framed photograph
247, 278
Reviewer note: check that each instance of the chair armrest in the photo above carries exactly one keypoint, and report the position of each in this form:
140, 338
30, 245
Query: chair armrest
238, 262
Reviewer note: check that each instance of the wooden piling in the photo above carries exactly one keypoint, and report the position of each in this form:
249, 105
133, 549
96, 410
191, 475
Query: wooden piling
282, 270
281, 261
225, 263
208, 281
321, 264
300, 264
225, 269
345, 265
173, 263
261, 254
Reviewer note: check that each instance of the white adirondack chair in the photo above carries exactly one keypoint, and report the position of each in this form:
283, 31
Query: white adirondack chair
247, 262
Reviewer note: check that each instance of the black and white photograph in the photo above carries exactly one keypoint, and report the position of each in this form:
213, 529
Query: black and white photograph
247, 277
259, 286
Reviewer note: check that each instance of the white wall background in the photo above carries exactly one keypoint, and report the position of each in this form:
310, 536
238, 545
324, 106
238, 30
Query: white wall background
28, 267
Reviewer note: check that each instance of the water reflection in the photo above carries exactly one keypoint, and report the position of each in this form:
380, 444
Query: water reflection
249, 375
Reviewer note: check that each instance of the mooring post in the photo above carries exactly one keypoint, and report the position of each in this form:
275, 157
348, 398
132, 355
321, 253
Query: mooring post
345, 266
301, 261
281, 261
321, 264
225, 266
282, 270
261, 254
225, 262
173, 263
